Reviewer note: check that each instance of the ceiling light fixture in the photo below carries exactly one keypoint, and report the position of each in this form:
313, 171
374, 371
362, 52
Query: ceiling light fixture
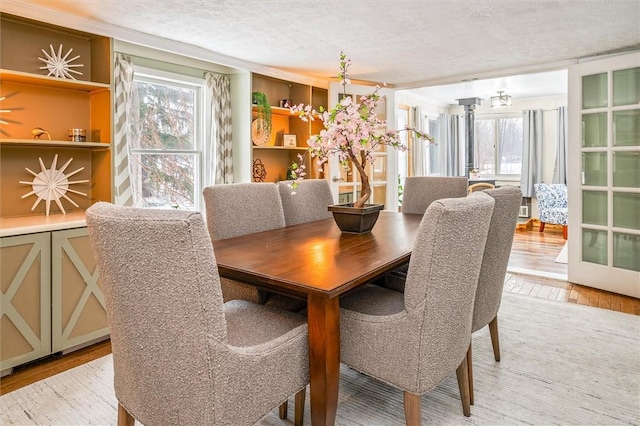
501, 100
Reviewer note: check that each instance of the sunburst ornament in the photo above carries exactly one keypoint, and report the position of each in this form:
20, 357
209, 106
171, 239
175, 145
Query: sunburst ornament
58, 65
51, 184
4, 111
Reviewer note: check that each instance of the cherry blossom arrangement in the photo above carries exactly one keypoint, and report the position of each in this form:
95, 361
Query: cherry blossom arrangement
352, 131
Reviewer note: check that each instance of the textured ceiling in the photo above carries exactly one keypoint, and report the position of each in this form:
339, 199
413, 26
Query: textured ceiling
548, 83
403, 43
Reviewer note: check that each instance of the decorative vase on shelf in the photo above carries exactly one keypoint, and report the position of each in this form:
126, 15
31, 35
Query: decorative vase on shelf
355, 220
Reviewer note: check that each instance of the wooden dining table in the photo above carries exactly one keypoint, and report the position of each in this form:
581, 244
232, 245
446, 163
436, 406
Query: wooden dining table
316, 261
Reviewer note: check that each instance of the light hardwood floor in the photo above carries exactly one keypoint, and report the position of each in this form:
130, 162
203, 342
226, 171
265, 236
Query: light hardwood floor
50, 366
531, 250
537, 251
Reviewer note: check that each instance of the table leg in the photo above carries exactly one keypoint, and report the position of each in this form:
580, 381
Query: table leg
323, 317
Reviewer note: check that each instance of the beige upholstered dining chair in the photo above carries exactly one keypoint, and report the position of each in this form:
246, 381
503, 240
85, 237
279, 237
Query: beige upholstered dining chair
414, 340
421, 191
238, 209
494, 266
307, 202
181, 356
243, 208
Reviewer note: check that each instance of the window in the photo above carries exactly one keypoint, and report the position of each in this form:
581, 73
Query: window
498, 145
166, 134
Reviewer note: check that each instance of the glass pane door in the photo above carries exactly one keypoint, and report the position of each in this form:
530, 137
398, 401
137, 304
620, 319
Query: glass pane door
604, 180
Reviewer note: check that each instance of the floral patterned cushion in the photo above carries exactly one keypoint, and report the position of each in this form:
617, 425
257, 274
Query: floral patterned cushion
552, 202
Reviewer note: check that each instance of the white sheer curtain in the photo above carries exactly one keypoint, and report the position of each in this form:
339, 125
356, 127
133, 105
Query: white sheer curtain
123, 79
220, 147
531, 151
451, 136
419, 156
560, 170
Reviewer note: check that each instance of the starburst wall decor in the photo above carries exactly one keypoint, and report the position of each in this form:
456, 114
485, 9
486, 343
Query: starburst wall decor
4, 111
58, 65
52, 185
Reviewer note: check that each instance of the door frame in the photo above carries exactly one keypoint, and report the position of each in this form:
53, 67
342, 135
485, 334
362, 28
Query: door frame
605, 277
391, 182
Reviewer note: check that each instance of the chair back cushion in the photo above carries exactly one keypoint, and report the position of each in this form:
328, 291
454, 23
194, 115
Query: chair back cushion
442, 279
242, 208
552, 202
551, 195
164, 308
306, 203
496, 254
421, 191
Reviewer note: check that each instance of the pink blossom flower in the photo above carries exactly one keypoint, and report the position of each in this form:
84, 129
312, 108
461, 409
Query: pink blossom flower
352, 131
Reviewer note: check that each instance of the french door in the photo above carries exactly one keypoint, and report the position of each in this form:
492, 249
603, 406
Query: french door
604, 174
345, 183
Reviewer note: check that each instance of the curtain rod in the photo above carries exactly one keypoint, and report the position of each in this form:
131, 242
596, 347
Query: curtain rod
507, 113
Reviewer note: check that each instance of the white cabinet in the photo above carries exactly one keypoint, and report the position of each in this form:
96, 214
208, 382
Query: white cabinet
25, 299
50, 299
78, 308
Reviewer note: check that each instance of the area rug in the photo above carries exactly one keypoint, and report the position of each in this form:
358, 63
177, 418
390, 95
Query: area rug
561, 364
562, 257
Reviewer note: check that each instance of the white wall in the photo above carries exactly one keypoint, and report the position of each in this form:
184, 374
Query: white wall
430, 108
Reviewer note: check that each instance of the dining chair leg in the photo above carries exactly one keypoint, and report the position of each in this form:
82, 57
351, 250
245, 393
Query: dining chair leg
124, 418
495, 340
300, 400
463, 385
541, 226
565, 232
412, 413
470, 373
284, 409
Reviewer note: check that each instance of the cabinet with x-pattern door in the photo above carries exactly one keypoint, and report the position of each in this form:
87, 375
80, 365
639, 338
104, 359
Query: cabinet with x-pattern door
51, 299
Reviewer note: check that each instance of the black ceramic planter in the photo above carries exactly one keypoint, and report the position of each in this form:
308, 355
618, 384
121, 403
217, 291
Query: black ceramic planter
355, 220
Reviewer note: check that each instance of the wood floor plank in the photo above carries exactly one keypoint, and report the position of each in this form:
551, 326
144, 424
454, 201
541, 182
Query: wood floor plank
615, 302
517, 285
545, 291
573, 295
584, 296
605, 300
526, 288
535, 289
563, 295
538, 250
626, 305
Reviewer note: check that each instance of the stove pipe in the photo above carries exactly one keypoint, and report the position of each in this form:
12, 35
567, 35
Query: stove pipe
469, 126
